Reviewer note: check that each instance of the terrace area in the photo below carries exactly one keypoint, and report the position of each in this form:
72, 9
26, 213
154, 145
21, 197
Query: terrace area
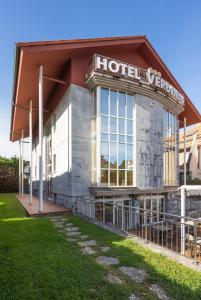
178, 233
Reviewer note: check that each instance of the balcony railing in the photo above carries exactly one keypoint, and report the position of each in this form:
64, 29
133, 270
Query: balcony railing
179, 234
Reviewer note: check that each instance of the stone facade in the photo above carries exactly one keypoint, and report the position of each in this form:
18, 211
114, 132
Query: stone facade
71, 143
149, 142
173, 204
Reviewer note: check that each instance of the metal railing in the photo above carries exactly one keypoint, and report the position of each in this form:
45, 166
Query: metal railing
176, 233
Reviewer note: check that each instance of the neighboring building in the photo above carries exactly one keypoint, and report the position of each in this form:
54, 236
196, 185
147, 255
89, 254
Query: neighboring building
193, 153
111, 121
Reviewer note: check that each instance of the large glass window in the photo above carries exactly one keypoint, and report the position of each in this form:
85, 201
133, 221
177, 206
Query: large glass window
116, 138
170, 148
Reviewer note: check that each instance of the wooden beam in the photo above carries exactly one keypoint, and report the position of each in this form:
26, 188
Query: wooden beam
54, 79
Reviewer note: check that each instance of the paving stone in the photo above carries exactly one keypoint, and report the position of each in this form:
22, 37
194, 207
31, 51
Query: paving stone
159, 292
87, 243
59, 225
88, 251
136, 274
69, 229
69, 224
57, 221
133, 297
71, 240
114, 279
105, 260
83, 237
104, 249
73, 233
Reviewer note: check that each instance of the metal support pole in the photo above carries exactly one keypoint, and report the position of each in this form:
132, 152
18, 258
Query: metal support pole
20, 173
184, 151
122, 216
31, 160
183, 210
40, 100
114, 213
22, 162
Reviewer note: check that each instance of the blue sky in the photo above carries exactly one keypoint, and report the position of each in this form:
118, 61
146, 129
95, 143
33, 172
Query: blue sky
173, 27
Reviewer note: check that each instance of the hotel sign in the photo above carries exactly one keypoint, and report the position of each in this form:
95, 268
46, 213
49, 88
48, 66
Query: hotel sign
149, 77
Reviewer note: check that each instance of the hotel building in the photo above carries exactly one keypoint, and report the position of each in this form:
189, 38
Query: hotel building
103, 116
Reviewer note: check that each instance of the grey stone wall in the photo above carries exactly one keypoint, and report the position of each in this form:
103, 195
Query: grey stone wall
149, 143
72, 145
173, 204
82, 115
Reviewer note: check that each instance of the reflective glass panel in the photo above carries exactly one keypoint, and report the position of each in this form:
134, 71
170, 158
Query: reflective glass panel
130, 157
104, 154
113, 103
104, 177
113, 137
129, 127
122, 138
122, 126
122, 156
129, 139
113, 155
113, 177
122, 104
129, 106
104, 137
129, 177
122, 178
104, 124
113, 125
104, 101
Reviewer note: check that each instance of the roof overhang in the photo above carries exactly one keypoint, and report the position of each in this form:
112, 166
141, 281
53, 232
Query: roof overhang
56, 56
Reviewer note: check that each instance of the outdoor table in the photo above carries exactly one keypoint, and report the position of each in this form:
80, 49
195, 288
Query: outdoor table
162, 227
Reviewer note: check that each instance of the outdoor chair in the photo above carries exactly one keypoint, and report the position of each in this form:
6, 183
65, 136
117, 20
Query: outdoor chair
190, 242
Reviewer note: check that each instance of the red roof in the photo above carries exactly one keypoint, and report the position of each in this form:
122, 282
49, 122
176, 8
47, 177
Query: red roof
69, 60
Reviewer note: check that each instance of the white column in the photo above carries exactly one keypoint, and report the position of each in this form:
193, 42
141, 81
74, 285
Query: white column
22, 162
183, 213
40, 100
184, 151
30, 144
20, 172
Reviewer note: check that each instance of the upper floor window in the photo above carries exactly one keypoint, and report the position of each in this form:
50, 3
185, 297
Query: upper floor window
170, 132
116, 138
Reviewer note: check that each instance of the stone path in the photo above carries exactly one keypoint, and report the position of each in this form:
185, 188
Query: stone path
136, 274
159, 292
87, 243
133, 297
88, 251
73, 233
114, 279
105, 260
104, 249
69, 229
83, 237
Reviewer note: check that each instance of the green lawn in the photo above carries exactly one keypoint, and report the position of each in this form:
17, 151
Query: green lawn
36, 262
